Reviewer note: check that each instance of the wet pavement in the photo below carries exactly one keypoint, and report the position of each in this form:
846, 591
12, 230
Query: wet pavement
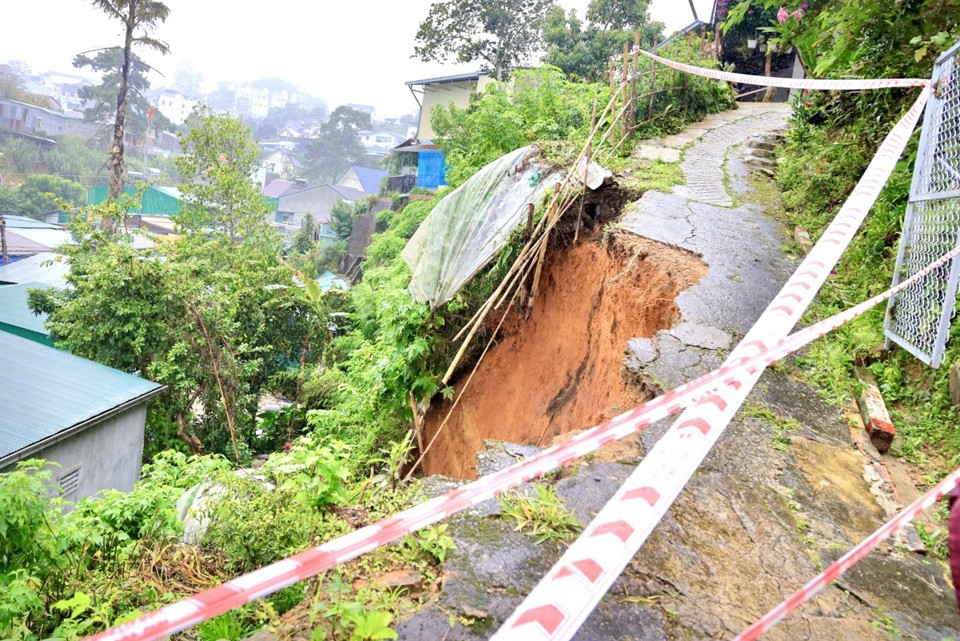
782, 494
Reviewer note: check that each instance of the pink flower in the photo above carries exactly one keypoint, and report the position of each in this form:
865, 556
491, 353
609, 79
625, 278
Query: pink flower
782, 15
798, 14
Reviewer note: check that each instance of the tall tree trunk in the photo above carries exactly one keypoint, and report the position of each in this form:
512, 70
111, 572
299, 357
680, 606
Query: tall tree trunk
768, 71
117, 169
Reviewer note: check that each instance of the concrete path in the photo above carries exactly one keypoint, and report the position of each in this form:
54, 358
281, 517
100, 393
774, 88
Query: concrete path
714, 216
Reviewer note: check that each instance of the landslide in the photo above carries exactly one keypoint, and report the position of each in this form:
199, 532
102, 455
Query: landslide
560, 370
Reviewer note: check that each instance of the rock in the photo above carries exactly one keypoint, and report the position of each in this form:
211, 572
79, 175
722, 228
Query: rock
703, 336
391, 579
640, 352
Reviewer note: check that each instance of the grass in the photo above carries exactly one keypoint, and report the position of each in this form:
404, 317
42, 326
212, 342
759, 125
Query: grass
782, 426
543, 516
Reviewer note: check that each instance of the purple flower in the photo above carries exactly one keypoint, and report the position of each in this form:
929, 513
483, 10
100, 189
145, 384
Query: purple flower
782, 15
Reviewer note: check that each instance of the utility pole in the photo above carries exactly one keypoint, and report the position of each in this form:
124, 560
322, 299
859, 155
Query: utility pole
694, 10
4, 257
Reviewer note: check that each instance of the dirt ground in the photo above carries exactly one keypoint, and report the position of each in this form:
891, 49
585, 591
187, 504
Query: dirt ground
560, 370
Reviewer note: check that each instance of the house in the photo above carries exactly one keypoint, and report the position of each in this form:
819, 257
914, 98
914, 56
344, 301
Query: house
86, 417
431, 92
46, 268
363, 179
379, 143
175, 105
277, 187
32, 120
50, 235
317, 200
431, 165
281, 162
16, 317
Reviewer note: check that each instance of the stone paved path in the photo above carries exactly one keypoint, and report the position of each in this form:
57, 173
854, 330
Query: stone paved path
742, 246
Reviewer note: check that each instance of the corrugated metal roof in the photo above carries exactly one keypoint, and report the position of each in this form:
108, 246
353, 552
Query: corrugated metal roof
46, 393
25, 222
46, 267
459, 77
18, 245
15, 311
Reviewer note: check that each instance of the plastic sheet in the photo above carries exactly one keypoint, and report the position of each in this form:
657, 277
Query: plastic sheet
467, 228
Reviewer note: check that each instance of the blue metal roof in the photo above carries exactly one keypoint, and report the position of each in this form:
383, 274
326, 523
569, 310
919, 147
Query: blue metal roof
370, 178
47, 394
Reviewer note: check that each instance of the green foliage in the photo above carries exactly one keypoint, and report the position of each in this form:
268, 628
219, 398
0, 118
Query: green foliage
500, 33
228, 626
582, 51
539, 105
40, 194
832, 140
338, 146
434, 540
218, 156
542, 516
212, 315
684, 98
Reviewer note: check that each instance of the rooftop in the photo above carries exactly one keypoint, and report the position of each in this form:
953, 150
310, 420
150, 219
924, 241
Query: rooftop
460, 77
48, 394
15, 314
46, 268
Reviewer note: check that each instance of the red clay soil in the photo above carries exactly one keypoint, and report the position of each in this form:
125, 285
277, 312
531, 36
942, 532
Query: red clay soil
561, 370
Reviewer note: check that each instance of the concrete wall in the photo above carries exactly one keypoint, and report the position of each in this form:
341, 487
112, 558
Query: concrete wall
108, 454
443, 94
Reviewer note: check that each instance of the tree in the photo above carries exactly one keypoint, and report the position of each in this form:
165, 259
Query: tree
582, 51
139, 19
210, 315
501, 33
218, 156
41, 193
338, 146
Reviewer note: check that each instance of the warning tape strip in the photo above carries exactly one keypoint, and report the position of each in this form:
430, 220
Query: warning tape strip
791, 83
566, 596
205, 605
847, 561
269, 579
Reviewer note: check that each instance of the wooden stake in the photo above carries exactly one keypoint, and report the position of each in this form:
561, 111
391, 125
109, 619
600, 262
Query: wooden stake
653, 83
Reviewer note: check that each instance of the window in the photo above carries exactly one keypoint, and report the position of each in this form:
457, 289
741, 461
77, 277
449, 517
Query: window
69, 481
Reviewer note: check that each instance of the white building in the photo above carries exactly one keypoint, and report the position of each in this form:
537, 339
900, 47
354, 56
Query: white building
175, 106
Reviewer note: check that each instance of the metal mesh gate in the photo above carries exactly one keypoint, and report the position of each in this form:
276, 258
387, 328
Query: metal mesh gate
918, 319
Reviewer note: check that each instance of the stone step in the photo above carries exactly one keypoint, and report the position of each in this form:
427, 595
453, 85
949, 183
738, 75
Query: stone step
762, 145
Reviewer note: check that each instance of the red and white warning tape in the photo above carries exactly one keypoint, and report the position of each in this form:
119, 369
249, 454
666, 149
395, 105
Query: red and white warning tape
203, 606
847, 561
566, 596
271, 578
791, 83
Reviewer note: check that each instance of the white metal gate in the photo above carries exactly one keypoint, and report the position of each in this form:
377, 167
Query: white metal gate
918, 319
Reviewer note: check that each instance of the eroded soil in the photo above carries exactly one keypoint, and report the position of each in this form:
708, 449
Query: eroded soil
560, 370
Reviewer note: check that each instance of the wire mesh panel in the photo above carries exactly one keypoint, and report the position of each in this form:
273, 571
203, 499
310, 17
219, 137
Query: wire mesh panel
918, 319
